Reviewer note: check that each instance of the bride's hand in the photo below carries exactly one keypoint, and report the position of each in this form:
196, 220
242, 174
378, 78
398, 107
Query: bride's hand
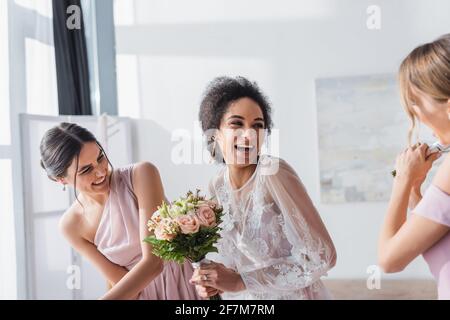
413, 164
217, 276
206, 292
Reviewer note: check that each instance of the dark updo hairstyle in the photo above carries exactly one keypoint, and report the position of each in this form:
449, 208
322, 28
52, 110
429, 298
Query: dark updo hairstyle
219, 94
61, 145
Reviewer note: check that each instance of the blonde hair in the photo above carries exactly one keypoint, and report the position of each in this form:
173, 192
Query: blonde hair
427, 69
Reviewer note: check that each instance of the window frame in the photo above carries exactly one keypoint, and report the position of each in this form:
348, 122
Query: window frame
20, 27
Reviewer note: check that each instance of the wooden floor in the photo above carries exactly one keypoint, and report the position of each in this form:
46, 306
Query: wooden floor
390, 290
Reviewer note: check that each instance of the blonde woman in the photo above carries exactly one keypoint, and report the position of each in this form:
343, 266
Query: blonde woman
424, 78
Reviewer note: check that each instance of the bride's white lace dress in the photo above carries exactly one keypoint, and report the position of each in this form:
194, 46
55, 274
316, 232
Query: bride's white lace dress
272, 234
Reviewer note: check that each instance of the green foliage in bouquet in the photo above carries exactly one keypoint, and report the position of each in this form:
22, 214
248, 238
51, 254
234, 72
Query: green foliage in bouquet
193, 247
171, 241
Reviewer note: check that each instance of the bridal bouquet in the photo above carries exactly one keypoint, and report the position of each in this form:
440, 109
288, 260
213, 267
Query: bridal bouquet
188, 228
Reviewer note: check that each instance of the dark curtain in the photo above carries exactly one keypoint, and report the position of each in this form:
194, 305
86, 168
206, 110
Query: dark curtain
72, 68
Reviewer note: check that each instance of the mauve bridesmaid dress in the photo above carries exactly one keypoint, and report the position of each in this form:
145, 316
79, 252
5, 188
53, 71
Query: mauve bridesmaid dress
435, 205
118, 239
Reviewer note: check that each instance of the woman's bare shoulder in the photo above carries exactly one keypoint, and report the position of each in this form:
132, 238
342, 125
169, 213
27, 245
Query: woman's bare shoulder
71, 224
442, 177
144, 170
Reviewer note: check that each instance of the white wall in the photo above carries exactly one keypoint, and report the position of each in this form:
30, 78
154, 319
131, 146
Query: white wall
283, 45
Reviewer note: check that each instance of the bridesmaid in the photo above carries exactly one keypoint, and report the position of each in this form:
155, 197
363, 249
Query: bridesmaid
425, 88
274, 244
107, 222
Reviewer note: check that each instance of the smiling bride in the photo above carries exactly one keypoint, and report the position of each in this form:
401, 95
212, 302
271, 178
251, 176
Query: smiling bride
274, 244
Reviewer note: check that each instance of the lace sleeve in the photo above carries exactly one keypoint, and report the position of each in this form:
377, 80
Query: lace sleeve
212, 194
310, 253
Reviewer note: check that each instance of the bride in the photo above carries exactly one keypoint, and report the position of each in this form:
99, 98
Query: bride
274, 244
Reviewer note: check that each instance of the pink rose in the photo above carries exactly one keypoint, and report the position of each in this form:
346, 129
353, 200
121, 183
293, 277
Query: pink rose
166, 229
212, 204
206, 216
188, 223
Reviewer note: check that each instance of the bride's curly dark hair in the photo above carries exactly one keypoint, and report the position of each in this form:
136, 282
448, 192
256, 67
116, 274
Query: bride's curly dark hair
218, 96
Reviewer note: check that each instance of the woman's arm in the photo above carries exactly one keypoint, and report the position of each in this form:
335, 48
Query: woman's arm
442, 178
218, 279
149, 191
310, 253
70, 228
400, 240
415, 195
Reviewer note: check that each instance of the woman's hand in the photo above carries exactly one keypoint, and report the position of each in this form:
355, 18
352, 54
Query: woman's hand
413, 164
216, 276
206, 292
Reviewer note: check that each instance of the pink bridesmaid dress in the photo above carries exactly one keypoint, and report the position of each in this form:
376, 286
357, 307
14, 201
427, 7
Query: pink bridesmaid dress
118, 239
435, 205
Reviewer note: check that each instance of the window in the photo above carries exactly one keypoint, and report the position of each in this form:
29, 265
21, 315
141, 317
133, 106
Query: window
40, 7
42, 95
27, 60
7, 251
5, 136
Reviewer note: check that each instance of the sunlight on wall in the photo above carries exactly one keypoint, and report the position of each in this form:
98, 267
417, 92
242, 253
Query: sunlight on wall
42, 96
128, 84
155, 87
199, 11
124, 12
172, 86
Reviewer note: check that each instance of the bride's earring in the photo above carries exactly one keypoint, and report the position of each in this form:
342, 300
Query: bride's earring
213, 151
64, 187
